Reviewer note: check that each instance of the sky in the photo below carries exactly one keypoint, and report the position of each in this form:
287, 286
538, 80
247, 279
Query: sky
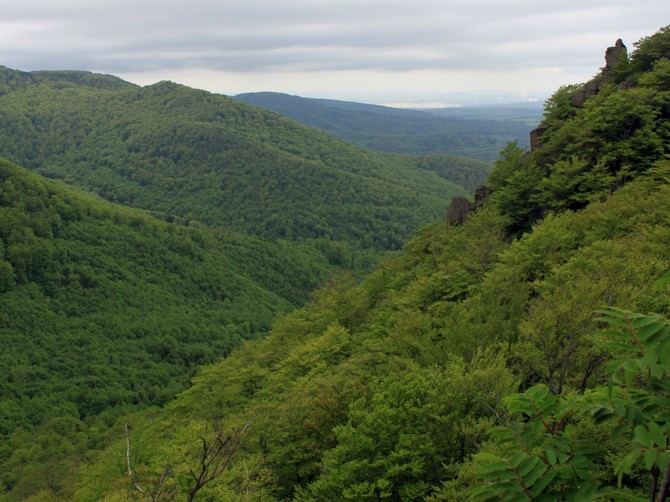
393, 52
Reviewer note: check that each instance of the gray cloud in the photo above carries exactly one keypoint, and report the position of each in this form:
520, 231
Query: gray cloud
126, 37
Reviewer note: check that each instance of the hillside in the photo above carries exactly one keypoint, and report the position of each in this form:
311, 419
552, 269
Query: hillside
196, 155
105, 309
397, 130
469, 366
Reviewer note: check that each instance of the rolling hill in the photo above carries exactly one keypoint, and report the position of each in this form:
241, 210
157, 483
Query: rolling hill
466, 133
106, 309
485, 361
202, 156
207, 219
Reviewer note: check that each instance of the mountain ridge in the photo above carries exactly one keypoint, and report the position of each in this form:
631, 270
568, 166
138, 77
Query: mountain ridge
467, 366
198, 155
397, 130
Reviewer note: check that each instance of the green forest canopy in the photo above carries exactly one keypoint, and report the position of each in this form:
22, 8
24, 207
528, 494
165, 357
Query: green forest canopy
202, 156
419, 382
387, 129
106, 309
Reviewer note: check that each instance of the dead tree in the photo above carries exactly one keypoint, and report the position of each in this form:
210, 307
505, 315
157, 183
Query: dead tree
153, 494
215, 455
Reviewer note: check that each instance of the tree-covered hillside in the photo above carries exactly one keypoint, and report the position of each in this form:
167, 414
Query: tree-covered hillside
202, 156
106, 309
396, 130
470, 366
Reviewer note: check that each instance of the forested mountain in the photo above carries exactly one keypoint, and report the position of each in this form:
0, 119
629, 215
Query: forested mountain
202, 156
396, 130
106, 309
470, 366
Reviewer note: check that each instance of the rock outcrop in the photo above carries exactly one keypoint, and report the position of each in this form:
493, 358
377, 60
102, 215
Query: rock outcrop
535, 136
460, 208
458, 211
613, 55
482, 194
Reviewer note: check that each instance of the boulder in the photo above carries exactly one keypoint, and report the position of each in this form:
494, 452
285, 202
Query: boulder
535, 136
458, 210
615, 54
482, 193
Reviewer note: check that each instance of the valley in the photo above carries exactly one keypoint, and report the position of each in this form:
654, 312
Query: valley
189, 282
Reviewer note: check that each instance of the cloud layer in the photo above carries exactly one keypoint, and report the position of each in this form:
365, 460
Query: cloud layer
480, 43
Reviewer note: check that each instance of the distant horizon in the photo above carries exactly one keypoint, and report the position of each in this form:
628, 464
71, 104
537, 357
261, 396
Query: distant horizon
393, 99
458, 100
371, 51
453, 100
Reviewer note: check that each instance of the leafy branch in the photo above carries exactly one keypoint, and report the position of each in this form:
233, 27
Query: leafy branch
540, 456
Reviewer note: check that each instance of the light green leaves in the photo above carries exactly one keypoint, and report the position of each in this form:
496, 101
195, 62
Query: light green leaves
545, 458
542, 456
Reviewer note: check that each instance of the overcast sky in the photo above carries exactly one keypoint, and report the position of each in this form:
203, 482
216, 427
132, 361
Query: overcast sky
378, 51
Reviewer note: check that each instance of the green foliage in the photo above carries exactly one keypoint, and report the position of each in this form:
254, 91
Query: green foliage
558, 109
384, 389
392, 385
396, 443
105, 310
541, 458
587, 152
540, 455
462, 171
624, 132
195, 155
639, 394
516, 185
470, 132
649, 50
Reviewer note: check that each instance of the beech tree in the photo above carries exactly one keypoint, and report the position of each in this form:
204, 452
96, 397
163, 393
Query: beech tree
540, 454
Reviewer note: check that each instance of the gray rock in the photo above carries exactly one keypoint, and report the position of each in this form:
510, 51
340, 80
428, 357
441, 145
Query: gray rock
535, 136
613, 55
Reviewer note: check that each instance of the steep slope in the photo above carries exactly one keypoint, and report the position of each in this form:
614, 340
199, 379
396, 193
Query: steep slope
387, 388
411, 363
384, 390
105, 309
395, 130
202, 156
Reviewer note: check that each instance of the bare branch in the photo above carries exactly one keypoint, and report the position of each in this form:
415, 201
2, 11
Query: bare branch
502, 420
665, 486
133, 478
131, 474
215, 456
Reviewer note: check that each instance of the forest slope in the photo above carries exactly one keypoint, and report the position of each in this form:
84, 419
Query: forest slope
396, 130
106, 309
385, 390
207, 157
